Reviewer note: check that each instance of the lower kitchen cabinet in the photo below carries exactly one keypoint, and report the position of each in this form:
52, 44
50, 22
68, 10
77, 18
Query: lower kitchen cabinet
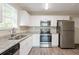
36, 40
25, 46
54, 40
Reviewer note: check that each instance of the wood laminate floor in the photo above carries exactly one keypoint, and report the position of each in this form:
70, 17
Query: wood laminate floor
54, 51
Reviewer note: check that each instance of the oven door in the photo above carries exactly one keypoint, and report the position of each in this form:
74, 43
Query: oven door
45, 38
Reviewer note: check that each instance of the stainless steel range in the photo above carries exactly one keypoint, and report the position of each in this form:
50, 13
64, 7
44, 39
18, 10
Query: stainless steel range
45, 35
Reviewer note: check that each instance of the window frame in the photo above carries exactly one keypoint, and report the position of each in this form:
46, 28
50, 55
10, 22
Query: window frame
12, 19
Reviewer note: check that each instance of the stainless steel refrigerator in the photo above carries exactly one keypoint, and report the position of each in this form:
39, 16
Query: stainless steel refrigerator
66, 33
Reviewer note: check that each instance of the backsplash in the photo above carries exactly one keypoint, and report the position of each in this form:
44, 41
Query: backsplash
36, 29
7, 33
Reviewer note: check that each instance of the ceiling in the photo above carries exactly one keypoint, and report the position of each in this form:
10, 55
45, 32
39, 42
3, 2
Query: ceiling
54, 8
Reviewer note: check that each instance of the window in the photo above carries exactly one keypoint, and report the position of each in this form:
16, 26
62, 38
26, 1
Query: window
9, 17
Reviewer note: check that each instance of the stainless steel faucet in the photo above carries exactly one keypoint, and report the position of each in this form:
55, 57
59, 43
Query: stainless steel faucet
13, 31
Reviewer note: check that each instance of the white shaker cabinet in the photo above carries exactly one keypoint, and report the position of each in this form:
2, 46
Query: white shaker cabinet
62, 17
36, 40
35, 20
54, 40
25, 46
24, 18
55, 18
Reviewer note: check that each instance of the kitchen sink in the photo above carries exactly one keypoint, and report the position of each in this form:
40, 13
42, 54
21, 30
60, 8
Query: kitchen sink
20, 36
17, 37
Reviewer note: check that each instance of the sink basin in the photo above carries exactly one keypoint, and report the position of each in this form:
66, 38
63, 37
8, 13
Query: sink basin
17, 37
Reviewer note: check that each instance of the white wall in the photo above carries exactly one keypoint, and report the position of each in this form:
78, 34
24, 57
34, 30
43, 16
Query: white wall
76, 20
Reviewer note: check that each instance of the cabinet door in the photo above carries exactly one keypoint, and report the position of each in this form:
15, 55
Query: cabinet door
36, 40
29, 44
25, 46
54, 22
54, 40
24, 18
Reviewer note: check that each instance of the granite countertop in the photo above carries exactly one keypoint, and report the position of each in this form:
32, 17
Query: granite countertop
5, 43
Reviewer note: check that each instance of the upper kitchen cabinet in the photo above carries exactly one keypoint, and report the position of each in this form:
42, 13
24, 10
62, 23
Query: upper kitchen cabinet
35, 20
62, 17
24, 18
55, 18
